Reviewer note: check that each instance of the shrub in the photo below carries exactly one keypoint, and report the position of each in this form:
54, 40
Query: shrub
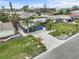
4, 17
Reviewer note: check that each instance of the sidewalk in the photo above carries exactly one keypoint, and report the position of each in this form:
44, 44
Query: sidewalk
14, 36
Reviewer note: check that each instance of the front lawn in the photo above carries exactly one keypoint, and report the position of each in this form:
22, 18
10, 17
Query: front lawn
62, 28
20, 48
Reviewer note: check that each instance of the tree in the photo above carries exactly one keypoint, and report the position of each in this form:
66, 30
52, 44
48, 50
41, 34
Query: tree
4, 17
14, 21
61, 11
38, 23
67, 11
39, 14
25, 8
3, 8
75, 8
49, 25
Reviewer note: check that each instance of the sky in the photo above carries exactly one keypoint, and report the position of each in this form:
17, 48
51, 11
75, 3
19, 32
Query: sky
39, 3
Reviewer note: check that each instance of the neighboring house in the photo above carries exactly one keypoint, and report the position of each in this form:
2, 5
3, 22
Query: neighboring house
21, 14
6, 30
74, 16
40, 20
24, 15
55, 18
18, 12
75, 12
44, 14
61, 18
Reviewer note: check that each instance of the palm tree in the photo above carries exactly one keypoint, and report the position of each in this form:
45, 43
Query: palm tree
13, 18
14, 21
10, 4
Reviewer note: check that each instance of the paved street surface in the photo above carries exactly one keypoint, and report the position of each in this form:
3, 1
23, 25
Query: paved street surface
68, 50
48, 40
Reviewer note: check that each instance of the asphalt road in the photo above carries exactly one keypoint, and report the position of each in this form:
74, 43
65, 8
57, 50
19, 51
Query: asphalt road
68, 50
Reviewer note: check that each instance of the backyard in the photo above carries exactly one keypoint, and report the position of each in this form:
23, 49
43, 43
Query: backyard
62, 28
20, 48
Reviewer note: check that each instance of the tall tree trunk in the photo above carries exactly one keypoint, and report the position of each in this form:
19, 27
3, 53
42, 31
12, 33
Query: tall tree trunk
15, 25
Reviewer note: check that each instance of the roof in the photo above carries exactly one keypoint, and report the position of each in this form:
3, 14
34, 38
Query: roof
68, 50
74, 15
75, 12
24, 15
6, 26
40, 20
60, 17
6, 29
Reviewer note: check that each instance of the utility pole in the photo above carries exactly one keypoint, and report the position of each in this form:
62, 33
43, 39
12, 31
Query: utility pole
45, 8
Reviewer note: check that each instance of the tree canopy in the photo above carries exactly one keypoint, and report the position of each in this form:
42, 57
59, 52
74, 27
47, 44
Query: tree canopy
25, 8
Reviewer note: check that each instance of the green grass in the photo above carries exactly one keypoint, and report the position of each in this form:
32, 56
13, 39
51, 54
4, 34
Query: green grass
62, 28
17, 48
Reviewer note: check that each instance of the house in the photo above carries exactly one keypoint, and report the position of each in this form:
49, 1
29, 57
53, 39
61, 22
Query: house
75, 12
24, 15
44, 14
74, 16
61, 18
21, 14
6, 30
40, 20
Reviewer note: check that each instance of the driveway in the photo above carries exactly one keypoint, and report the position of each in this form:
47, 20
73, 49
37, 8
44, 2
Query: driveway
48, 40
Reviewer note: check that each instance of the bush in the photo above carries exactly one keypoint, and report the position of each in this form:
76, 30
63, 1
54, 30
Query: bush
4, 17
49, 25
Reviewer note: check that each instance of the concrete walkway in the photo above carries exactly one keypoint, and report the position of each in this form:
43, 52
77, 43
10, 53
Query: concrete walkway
48, 40
14, 36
